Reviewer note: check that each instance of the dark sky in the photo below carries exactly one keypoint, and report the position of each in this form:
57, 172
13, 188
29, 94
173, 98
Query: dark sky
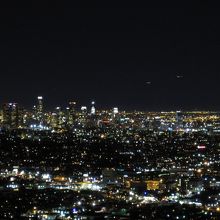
108, 53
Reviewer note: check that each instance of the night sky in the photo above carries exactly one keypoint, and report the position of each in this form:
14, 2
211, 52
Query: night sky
108, 53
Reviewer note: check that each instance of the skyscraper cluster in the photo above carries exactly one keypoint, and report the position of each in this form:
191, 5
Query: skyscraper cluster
13, 116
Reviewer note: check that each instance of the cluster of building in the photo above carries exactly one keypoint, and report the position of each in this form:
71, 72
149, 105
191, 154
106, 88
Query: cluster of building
14, 116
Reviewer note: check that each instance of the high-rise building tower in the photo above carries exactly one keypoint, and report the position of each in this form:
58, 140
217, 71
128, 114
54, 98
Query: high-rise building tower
83, 109
72, 106
40, 104
39, 110
93, 108
71, 113
12, 115
115, 111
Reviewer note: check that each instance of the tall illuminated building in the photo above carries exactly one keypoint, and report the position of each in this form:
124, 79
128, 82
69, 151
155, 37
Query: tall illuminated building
54, 120
59, 118
83, 109
40, 104
72, 106
115, 111
12, 115
82, 117
71, 112
39, 109
93, 108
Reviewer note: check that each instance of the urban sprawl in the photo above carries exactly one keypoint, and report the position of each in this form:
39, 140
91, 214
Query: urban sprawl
87, 163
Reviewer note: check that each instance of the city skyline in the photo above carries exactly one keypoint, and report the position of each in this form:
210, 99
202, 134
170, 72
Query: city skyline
48, 106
